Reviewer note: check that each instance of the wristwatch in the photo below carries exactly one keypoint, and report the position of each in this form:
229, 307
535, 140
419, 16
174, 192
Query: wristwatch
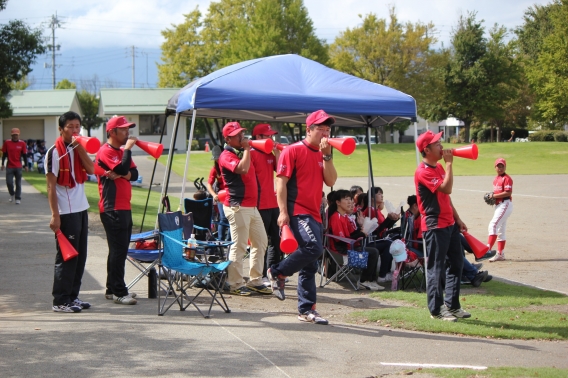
327, 157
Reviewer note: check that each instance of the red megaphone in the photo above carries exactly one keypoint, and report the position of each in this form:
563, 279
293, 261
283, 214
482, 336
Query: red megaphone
264, 145
288, 243
99, 171
67, 250
479, 249
151, 148
280, 147
221, 195
90, 144
344, 145
466, 152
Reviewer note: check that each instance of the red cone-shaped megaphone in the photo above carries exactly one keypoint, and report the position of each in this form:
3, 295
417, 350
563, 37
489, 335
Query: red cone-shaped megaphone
264, 145
466, 152
153, 149
99, 171
344, 145
67, 250
90, 144
280, 147
288, 243
479, 249
221, 195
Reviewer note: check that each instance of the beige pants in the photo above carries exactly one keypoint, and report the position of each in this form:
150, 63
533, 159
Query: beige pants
246, 224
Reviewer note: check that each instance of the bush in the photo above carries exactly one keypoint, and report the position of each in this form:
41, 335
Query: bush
194, 145
549, 136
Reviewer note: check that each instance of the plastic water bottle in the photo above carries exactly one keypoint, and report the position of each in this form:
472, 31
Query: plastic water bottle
191, 246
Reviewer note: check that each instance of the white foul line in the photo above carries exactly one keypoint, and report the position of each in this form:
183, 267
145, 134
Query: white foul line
251, 347
434, 365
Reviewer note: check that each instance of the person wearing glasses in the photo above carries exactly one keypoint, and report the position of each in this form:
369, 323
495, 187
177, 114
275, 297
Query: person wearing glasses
303, 168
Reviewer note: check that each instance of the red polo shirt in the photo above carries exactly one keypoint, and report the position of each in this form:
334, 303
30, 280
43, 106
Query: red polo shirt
114, 194
502, 184
242, 190
435, 207
303, 165
14, 151
265, 166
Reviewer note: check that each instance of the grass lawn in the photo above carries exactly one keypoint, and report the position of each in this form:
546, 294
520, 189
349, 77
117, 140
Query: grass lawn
138, 202
400, 160
501, 372
498, 310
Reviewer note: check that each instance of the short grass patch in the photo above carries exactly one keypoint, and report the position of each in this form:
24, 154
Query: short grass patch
499, 310
493, 372
535, 158
92, 192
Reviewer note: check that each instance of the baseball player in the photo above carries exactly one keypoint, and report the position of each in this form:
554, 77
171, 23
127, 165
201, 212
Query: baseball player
502, 193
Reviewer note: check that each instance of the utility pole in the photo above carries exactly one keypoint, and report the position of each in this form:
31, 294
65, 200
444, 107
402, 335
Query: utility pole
53, 24
133, 54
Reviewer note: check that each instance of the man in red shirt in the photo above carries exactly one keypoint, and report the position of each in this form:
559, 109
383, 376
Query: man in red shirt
241, 210
15, 151
441, 226
265, 166
302, 169
503, 194
115, 193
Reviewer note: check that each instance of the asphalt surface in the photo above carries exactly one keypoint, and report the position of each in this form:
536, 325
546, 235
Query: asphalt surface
111, 339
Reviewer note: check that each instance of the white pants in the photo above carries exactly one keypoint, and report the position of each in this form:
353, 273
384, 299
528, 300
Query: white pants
498, 224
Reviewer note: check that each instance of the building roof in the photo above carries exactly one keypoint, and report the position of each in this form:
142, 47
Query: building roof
134, 100
42, 102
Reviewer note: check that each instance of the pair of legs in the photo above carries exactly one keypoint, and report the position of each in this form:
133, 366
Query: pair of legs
308, 233
246, 224
498, 226
273, 253
118, 228
16, 173
223, 222
68, 274
383, 246
444, 262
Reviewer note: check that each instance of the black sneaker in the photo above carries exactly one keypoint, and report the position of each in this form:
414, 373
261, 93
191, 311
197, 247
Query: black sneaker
80, 303
445, 315
488, 278
312, 316
479, 278
242, 291
261, 289
459, 313
277, 284
487, 256
67, 307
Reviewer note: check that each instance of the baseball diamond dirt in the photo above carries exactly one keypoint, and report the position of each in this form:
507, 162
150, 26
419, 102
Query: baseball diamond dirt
262, 337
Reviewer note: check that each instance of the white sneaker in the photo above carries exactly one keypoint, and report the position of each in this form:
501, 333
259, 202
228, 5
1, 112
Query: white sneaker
127, 300
386, 278
498, 257
17, 202
370, 285
11, 199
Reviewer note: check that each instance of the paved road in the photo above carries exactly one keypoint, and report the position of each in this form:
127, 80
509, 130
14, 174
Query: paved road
133, 341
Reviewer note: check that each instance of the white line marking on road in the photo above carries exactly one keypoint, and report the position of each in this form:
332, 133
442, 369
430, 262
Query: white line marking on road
251, 347
434, 365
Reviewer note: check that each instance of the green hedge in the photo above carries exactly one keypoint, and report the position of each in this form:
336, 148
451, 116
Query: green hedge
549, 136
484, 135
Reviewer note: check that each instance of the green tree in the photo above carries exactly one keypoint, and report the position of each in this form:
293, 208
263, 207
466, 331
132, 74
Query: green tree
234, 31
90, 106
547, 61
387, 52
19, 47
66, 84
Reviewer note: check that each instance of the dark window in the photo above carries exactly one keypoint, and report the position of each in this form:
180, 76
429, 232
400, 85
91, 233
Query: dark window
152, 124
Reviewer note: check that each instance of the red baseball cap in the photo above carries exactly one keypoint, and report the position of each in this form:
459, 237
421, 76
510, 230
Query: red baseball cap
119, 121
427, 138
318, 117
232, 129
15, 131
500, 161
263, 129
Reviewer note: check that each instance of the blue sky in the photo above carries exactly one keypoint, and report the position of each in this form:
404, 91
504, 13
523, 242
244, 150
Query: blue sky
96, 37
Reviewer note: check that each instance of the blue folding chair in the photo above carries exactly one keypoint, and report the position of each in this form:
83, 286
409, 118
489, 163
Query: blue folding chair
183, 276
143, 259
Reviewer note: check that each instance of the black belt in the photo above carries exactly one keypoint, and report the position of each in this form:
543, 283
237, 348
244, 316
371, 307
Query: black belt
506, 199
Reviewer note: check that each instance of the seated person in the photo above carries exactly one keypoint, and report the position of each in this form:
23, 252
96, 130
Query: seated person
340, 224
383, 245
375, 211
471, 272
199, 195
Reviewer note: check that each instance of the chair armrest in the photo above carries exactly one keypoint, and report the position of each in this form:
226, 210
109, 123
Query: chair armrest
349, 241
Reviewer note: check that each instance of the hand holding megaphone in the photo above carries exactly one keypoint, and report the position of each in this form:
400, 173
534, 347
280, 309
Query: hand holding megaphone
288, 242
221, 195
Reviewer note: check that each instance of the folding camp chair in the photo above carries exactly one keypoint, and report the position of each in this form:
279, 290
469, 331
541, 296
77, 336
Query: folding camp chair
341, 263
203, 218
144, 259
411, 274
183, 276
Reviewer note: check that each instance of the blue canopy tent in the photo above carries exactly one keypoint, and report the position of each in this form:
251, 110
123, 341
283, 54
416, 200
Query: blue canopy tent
286, 88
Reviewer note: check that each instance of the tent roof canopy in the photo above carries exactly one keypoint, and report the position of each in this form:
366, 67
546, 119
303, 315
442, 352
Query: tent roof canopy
286, 88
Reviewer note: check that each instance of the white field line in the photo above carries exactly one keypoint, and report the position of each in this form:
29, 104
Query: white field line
434, 365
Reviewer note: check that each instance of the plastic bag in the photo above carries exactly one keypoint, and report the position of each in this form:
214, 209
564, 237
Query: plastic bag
392, 209
370, 225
